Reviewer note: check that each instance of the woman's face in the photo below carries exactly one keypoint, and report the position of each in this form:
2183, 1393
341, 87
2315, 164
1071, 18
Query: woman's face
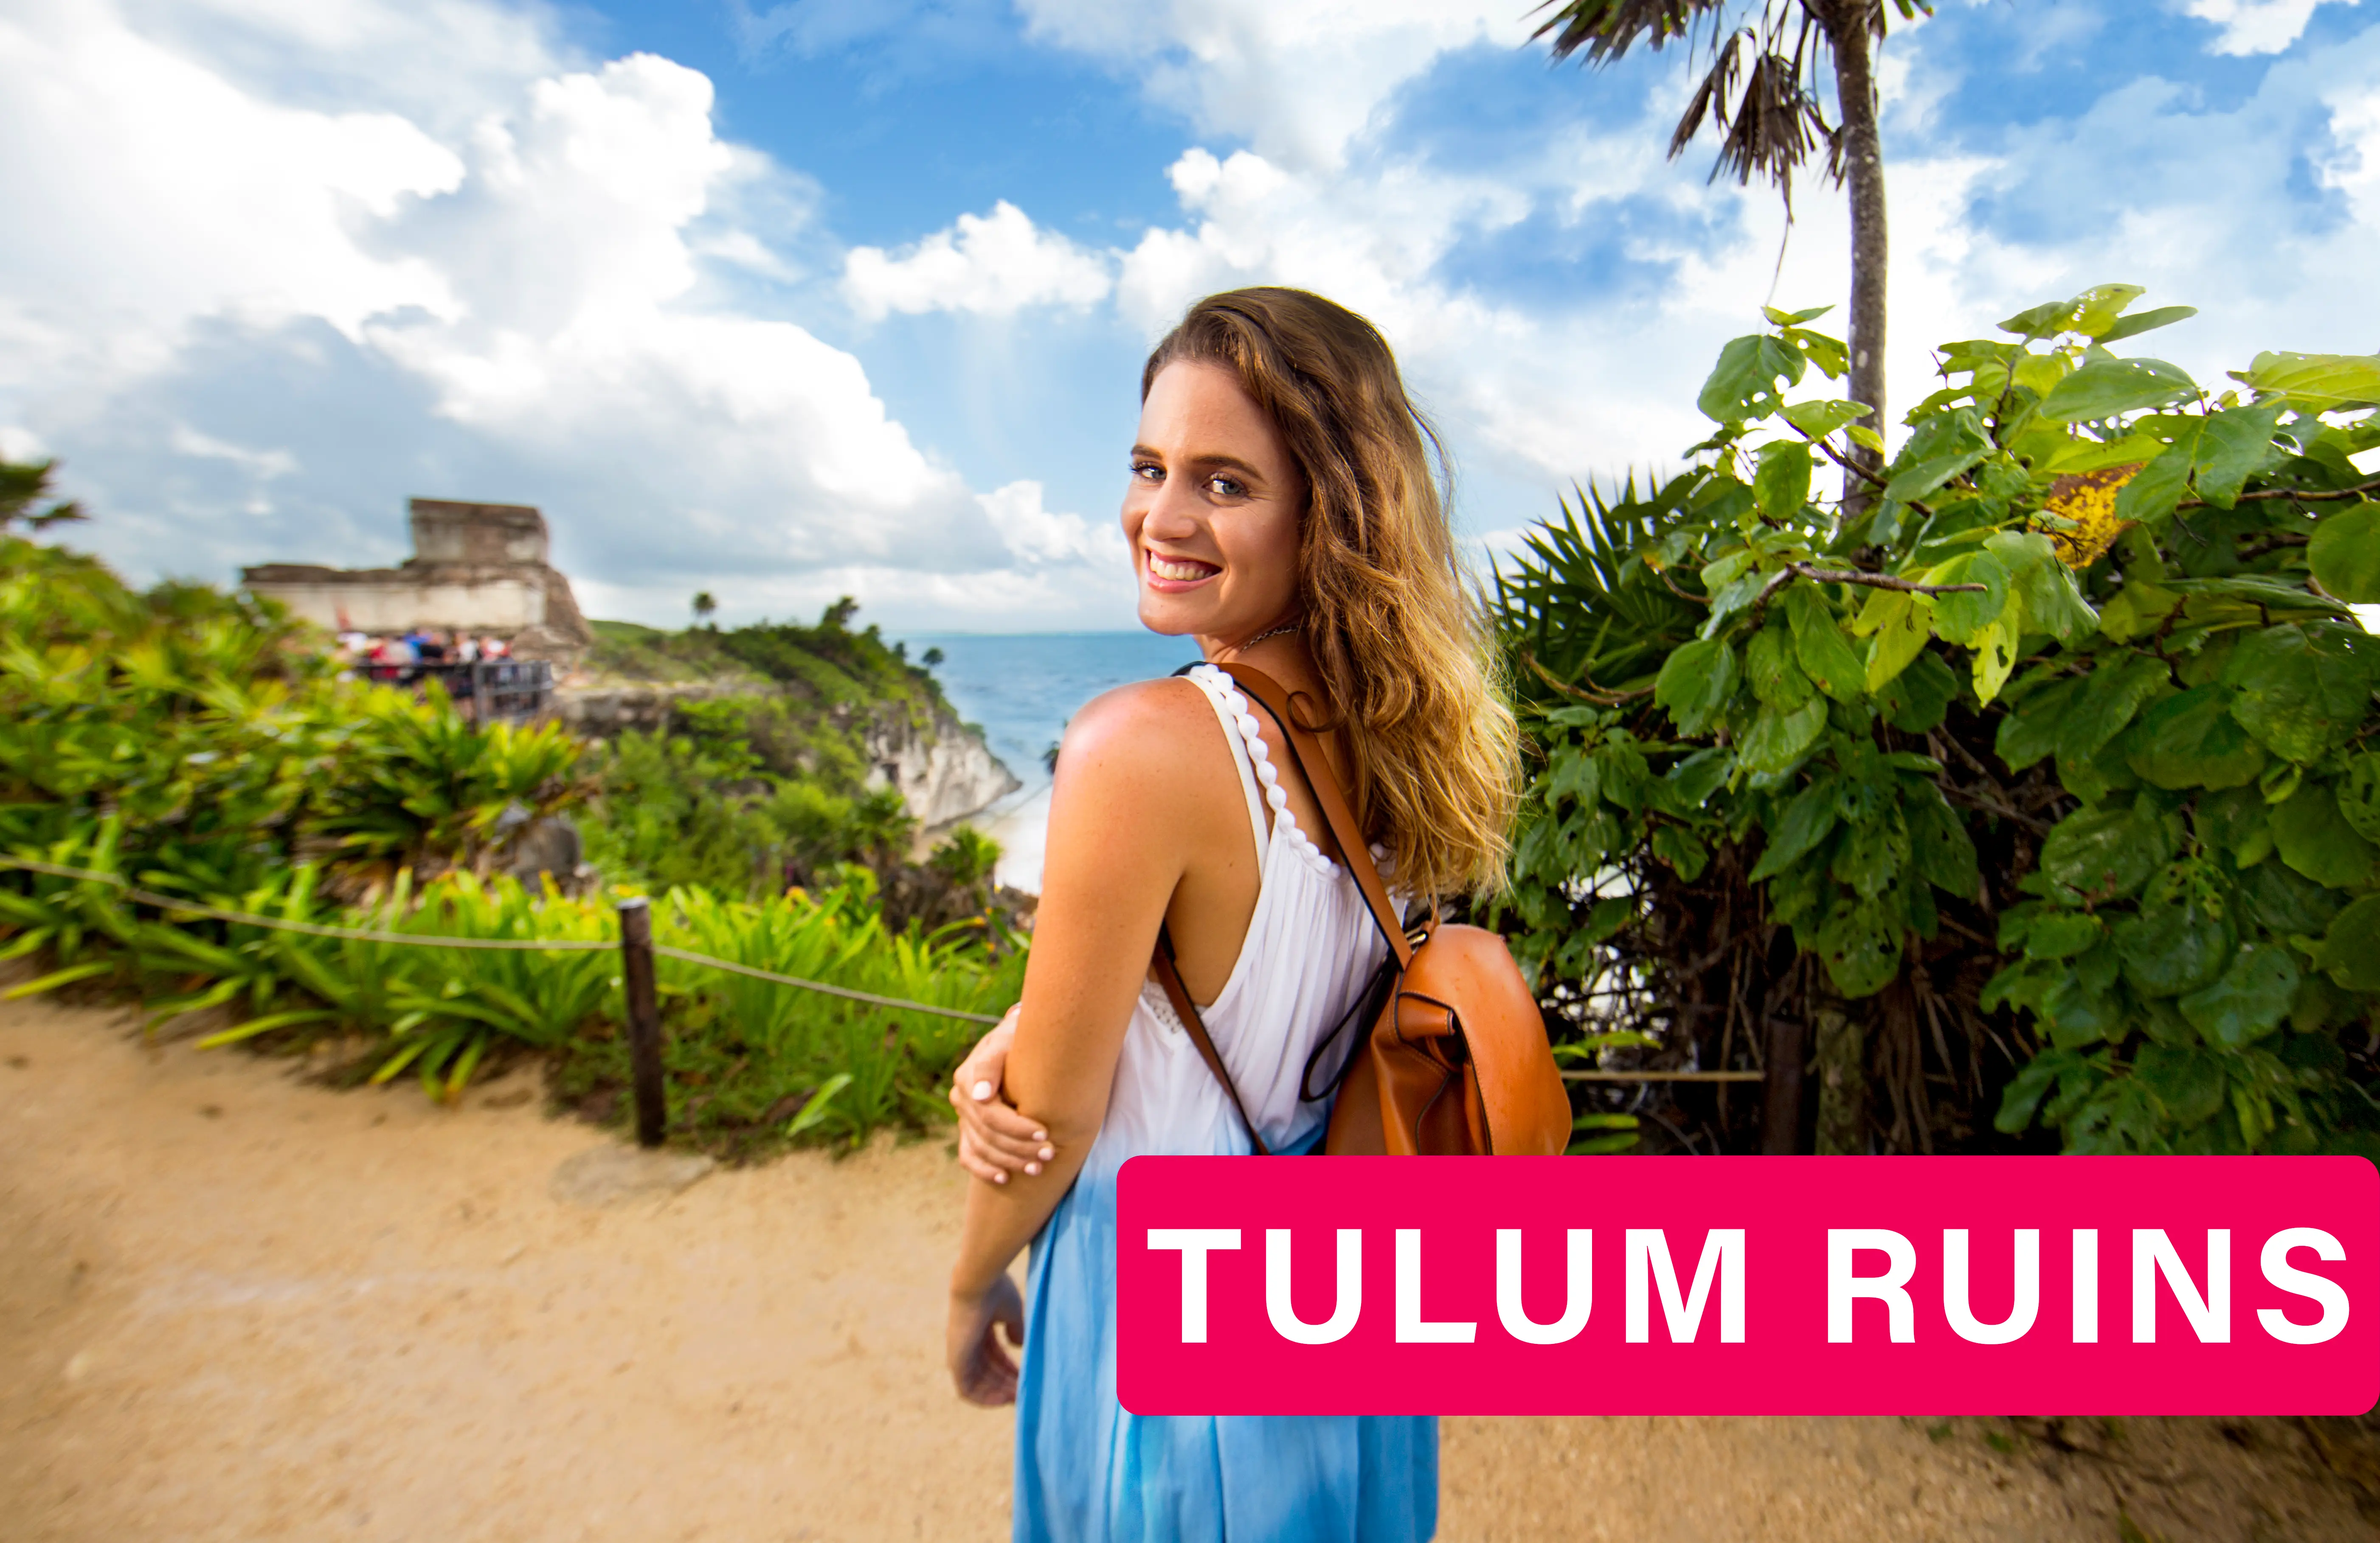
1213, 510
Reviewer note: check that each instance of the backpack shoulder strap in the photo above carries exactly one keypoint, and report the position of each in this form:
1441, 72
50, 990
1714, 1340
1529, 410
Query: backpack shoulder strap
1305, 750
1196, 1027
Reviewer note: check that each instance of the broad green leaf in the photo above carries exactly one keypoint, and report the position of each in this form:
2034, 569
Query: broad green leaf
1939, 848
2038, 372
1825, 655
2248, 1001
1865, 437
2350, 949
1961, 617
1793, 318
2301, 689
2062, 935
1769, 666
1996, 650
1871, 855
2031, 1084
2104, 388
1679, 847
2032, 727
1744, 383
2312, 838
2112, 694
1860, 944
2047, 320
2232, 446
2186, 1080
2105, 852
1899, 641
1781, 485
2167, 949
2192, 740
2077, 456
2079, 1012
2147, 320
2359, 795
2320, 382
1828, 354
2345, 553
2095, 309
2153, 491
1819, 419
2044, 585
1778, 737
1881, 608
1694, 779
1806, 822
1916, 479
1914, 701
1695, 684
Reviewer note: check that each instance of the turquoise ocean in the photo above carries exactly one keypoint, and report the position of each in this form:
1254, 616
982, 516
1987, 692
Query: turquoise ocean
1020, 689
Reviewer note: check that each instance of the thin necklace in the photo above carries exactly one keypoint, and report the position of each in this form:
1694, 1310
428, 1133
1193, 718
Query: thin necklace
1285, 627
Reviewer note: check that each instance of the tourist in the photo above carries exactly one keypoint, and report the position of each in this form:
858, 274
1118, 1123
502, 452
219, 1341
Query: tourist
1282, 511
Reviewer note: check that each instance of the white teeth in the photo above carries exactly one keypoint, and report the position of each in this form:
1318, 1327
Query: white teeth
1180, 572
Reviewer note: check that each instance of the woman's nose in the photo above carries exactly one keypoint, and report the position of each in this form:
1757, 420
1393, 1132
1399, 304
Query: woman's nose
1173, 513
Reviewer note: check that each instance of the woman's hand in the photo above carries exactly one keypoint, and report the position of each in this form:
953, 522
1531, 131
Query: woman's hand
994, 1140
983, 1369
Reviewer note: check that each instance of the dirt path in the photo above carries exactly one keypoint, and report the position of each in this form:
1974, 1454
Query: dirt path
234, 1305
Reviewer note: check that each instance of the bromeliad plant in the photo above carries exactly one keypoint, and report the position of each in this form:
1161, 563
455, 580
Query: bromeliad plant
2073, 678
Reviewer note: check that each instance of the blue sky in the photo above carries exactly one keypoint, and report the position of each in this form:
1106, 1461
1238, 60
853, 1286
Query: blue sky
849, 296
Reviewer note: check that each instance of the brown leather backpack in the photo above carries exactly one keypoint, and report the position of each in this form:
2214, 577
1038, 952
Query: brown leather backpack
1457, 1063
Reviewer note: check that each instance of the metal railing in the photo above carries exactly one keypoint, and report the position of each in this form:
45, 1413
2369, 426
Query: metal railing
509, 689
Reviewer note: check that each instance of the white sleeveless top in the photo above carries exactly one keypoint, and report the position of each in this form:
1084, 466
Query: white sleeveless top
1311, 946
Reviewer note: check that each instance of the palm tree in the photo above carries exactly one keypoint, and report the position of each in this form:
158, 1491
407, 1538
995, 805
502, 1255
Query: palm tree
705, 606
1768, 116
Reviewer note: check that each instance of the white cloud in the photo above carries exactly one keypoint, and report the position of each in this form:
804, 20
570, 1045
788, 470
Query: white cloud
2255, 26
1299, 81
1039, 536
537, 300
994, 265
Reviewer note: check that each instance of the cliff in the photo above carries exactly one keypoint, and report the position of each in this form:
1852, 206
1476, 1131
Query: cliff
824, 703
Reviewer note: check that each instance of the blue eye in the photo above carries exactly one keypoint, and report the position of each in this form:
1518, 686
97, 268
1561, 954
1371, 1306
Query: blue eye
1228, 486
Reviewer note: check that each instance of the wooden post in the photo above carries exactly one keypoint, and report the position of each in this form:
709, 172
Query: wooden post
644, 1020
1780, 1108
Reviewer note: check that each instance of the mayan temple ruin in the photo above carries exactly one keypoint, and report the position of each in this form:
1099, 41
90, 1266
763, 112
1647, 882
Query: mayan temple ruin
477, 568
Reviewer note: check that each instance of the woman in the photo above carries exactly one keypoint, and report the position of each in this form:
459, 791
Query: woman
1282, 511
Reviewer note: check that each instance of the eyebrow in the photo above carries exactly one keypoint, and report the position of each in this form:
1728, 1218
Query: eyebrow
1216, 461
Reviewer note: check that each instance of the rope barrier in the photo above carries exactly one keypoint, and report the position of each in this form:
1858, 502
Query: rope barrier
424, 940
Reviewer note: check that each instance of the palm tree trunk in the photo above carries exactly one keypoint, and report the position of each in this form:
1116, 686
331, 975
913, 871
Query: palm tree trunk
1847, 23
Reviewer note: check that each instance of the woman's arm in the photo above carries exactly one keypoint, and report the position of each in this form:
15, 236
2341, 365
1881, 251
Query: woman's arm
1129, 808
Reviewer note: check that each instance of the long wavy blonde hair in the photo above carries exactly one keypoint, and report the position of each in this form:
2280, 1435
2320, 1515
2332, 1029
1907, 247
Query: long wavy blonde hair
1408, 657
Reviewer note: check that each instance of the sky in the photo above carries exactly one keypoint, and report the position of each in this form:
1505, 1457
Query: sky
850, 297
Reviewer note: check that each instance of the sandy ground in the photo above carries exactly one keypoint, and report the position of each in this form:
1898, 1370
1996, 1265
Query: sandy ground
234, 1306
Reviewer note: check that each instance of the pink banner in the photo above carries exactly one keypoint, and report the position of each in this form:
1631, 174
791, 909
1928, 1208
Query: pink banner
2112, 1285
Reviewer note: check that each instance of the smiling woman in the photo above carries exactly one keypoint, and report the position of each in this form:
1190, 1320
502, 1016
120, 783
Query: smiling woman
1282, 512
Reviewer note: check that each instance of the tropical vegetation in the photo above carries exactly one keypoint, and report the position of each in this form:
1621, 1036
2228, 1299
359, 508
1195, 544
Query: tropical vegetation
2033, 798
198, 747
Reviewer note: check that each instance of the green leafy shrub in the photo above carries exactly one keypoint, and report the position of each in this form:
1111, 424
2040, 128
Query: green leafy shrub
2074, 679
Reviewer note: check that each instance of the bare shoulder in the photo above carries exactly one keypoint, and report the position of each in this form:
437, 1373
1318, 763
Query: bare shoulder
1149, 726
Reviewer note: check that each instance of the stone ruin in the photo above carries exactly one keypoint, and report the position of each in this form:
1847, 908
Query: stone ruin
478, 568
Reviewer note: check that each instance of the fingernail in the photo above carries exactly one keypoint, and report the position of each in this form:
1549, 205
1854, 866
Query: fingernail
999, 1178
1048, 1152
983, 1091
1040, 1136
1033, 1168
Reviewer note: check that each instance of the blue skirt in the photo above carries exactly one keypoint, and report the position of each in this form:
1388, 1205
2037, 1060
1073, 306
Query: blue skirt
1087, 1470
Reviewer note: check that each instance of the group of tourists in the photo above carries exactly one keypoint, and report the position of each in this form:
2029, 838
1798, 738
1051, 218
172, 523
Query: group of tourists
400, 657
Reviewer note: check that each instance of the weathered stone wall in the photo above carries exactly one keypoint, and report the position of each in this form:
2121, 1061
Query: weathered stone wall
476, 567
393, 600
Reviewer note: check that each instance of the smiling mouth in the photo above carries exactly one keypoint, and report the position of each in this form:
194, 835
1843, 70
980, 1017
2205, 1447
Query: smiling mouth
1180, 570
